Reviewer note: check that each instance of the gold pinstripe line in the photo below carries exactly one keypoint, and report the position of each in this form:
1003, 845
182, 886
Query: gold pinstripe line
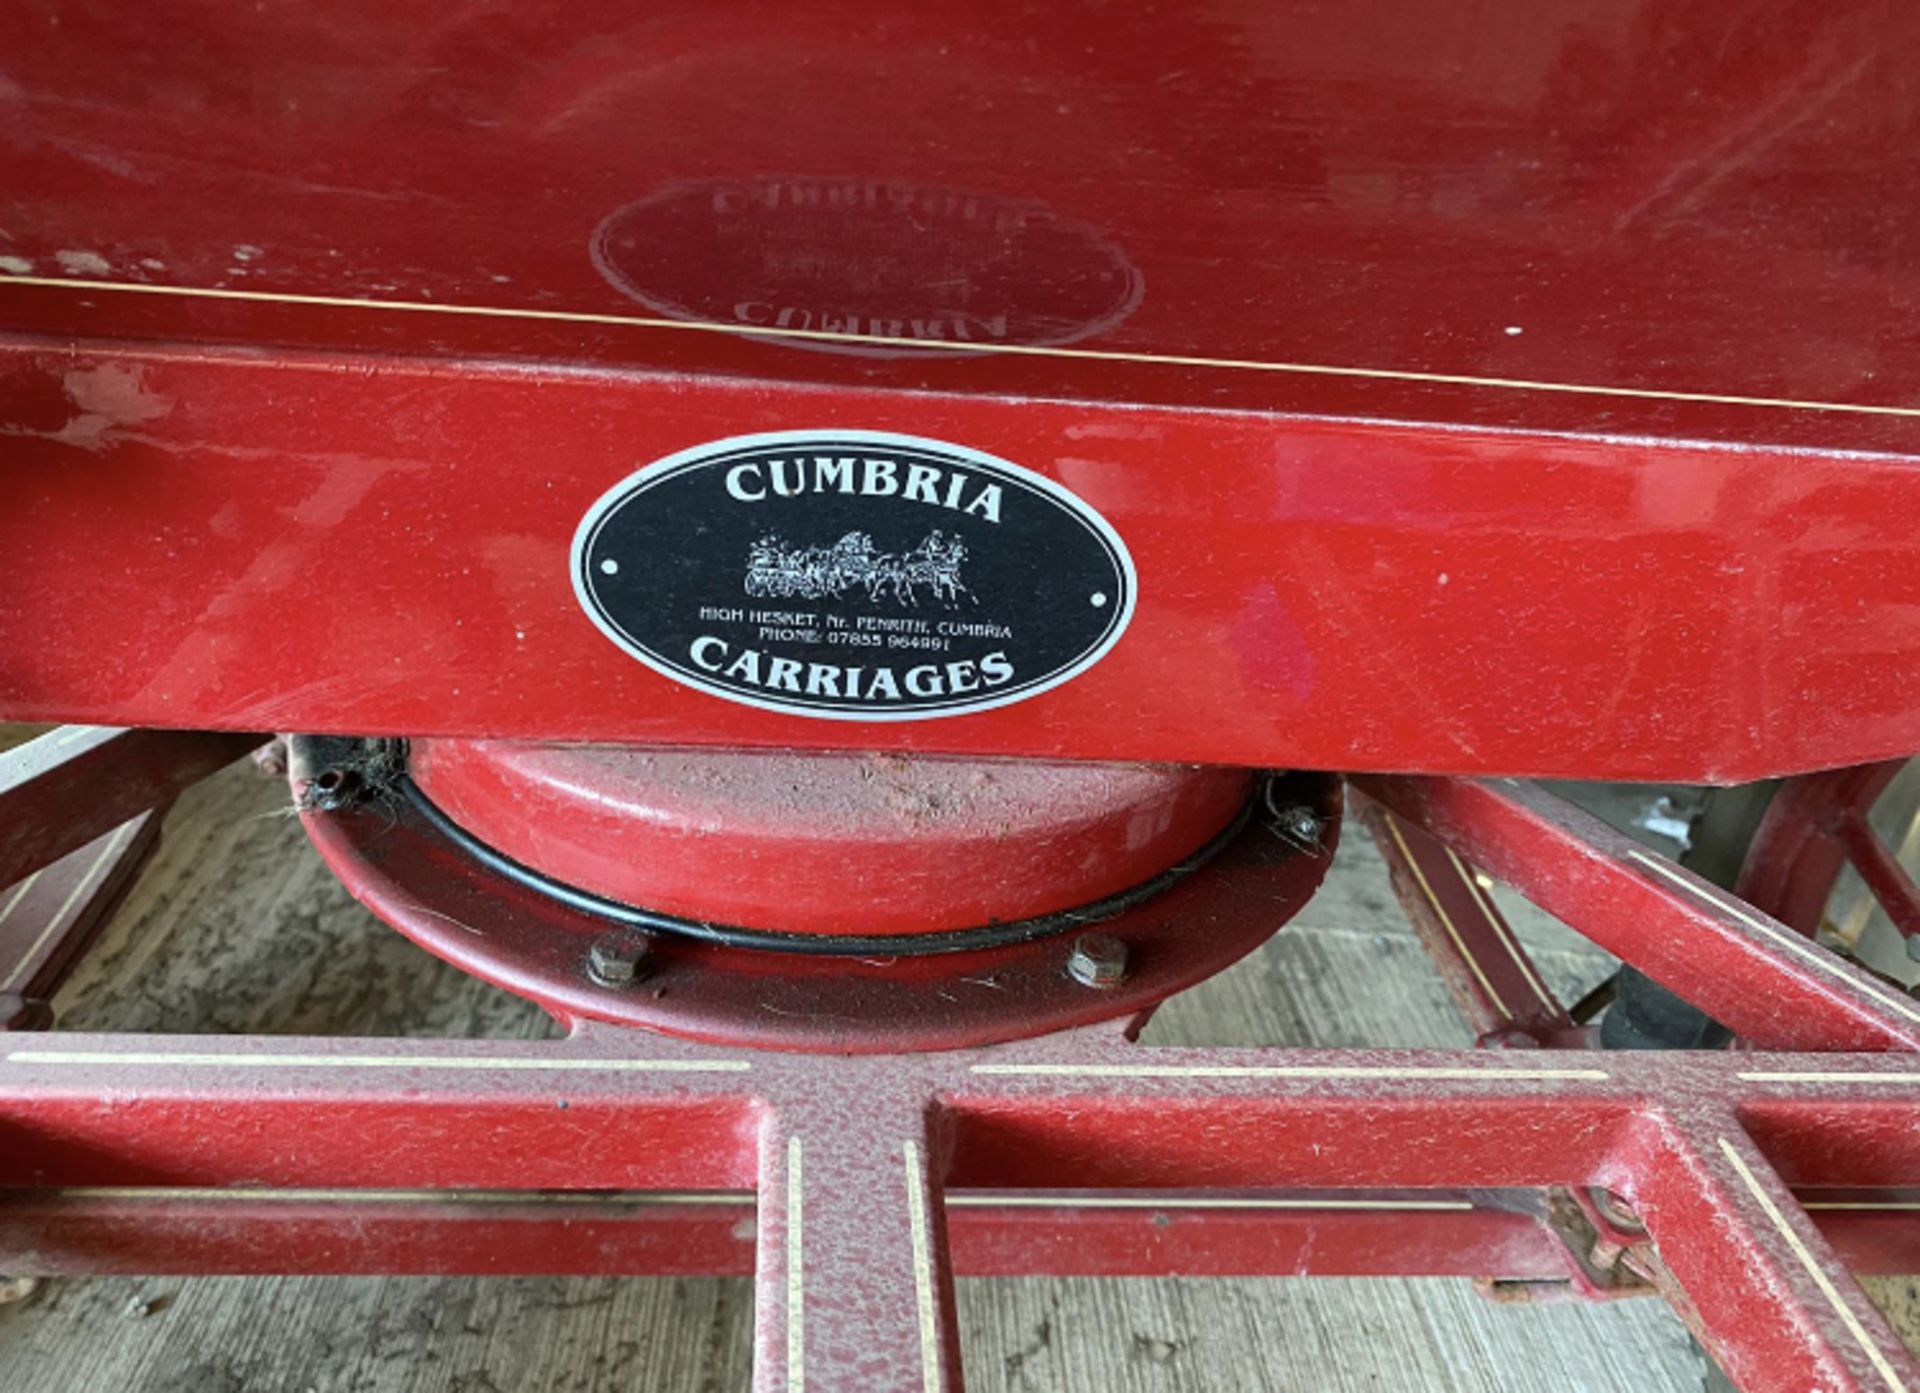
1870, 1347
19, 894
642, 1198
246, 1194
1254, 1202
1793, 943
1826, 1076
191, 1059
1504, 933
796, 1273
1098, 355
1860, 1204
120, 836
1464, 1073
932, 1371
1459, 943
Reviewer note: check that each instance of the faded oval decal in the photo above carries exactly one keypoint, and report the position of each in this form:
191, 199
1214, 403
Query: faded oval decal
853, 575
826, 263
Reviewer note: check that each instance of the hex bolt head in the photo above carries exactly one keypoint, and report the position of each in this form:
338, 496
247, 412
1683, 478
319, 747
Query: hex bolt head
620, 959
1300, 824
1099, 961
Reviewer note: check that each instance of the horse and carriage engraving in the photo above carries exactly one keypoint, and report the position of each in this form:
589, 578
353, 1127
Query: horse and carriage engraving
777, 570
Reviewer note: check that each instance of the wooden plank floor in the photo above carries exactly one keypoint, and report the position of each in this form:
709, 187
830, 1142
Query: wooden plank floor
237, 927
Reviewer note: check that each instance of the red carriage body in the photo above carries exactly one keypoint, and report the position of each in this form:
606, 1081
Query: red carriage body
1529, 397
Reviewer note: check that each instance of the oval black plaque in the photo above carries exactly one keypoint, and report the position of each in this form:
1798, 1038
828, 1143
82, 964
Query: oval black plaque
853, 575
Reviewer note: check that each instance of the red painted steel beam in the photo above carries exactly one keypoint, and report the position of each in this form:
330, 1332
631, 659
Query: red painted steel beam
1794, 859
1371, 1120
140, 1231
1882, 872
1399, 1118
73, 785
596, 1112
1876, 1233
152, 1231
1489, 974
1755, 1279
879, 1138
1252, 1234
1758, 976
136, 1231
853, 1282
50, 919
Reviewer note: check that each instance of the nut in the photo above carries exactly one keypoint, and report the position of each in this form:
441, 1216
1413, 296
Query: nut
1099, 961
620, 960
332, 773
333, 790
1617, 1211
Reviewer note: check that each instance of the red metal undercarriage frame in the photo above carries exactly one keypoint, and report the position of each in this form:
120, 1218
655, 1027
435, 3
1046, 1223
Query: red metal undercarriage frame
1735, 1183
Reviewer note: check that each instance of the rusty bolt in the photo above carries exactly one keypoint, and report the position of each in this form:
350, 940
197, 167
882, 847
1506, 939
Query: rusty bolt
271, 758
1510, 1037
1099, 961
1300, 825
620, 960
1615, 1210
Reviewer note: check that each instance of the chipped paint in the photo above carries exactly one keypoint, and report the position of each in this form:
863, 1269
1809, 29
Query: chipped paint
83, 263
110, 401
